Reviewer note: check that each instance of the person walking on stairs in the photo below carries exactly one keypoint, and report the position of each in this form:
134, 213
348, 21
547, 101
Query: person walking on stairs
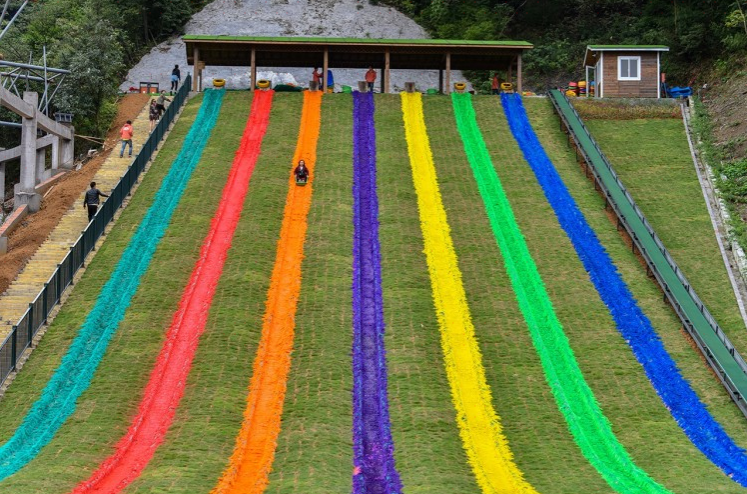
91, 200
126, 134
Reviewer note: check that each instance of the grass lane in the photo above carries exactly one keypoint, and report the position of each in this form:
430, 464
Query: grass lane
660, 175
314, 451
536, 430
427, 446
202, 437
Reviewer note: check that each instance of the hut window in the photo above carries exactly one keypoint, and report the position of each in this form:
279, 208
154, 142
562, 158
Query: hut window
628, 68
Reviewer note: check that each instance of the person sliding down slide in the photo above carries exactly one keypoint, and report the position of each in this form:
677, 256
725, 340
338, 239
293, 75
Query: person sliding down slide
301, 173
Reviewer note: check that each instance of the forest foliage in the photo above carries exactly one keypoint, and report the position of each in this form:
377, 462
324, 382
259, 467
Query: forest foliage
100, 39
696, 31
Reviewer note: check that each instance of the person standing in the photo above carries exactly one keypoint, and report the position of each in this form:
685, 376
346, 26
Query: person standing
176, 78
126, 133
371, 78
330, 81
495, 85
91, 200
317, 77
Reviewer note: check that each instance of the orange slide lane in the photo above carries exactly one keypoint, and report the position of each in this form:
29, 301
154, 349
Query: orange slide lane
251, 461
168, 378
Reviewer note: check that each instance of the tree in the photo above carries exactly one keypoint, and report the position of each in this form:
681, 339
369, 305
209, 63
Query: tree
95, 60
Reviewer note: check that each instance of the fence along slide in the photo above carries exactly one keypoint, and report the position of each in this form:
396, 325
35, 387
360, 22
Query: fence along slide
372, 436
586, 421
169, 376
73, 376
683, 403
251, 461
480, 428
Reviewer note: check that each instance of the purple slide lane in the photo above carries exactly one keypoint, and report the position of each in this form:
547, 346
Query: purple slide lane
373, 448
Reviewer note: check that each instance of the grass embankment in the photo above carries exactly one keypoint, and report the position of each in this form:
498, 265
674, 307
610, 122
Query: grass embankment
658, 171
640, 421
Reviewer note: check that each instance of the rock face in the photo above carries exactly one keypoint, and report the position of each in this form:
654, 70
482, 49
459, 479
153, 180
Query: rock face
329, 18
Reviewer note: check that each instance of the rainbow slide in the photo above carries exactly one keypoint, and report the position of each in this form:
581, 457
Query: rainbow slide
250, 464
480, 428
373, 447
169, 376
74, 375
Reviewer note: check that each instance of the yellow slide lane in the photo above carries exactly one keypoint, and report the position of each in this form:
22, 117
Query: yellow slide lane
479, 425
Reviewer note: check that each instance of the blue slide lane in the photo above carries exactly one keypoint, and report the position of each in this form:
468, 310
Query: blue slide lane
74, 375
673, 389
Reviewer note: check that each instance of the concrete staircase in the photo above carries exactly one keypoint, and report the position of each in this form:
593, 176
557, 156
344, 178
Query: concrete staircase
30, 281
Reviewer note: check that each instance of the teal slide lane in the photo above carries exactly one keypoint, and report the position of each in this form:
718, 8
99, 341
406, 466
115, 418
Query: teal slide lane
586, 421
729, 364
74, 375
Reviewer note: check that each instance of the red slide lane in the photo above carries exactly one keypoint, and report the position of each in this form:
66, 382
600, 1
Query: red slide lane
168, 378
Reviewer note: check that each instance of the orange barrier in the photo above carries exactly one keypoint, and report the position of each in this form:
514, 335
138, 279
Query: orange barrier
251, 461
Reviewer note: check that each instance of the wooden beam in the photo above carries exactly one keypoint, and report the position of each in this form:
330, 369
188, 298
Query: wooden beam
448, 72
253, 71
440, 81
325, 68
196, 63
387, 70
519, 80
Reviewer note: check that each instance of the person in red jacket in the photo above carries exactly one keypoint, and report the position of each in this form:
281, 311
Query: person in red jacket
317, 77
126, 133
495, 85
371, 78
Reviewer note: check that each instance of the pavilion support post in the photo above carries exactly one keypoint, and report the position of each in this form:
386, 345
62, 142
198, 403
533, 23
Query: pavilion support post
25, 192
440, 81
510, 73
324, 70
196, 65
448, 72
253, 73
387, 71
519, 80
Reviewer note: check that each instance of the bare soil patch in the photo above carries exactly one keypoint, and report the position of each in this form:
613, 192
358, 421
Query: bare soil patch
26, 239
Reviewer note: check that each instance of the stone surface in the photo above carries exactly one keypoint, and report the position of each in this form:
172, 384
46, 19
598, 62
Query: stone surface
331, 18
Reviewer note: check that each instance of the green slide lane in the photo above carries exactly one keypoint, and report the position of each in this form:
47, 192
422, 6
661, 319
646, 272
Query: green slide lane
575, 399
693, 313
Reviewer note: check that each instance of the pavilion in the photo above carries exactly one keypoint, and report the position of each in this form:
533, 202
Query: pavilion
354, 53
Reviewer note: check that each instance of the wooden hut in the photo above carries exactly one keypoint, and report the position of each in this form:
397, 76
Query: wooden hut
625, 71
